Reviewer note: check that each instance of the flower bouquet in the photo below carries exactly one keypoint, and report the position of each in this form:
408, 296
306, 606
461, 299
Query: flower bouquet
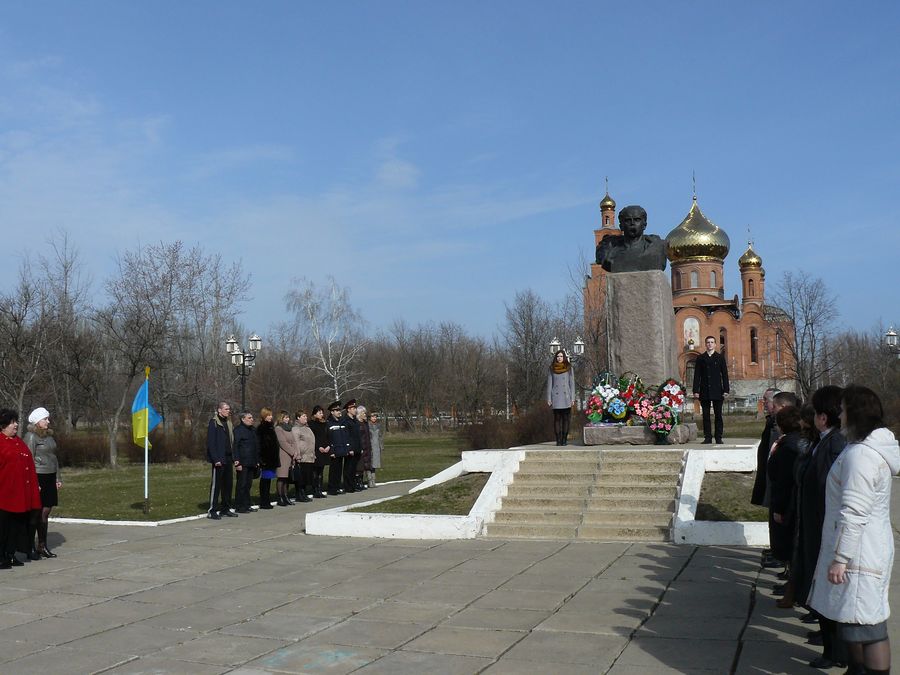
661, 420
671, 393
606, 405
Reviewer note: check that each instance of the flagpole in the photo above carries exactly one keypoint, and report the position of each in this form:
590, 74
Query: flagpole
146, 446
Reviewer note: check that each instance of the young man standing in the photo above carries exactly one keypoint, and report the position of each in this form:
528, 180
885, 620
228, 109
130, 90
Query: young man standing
711, 386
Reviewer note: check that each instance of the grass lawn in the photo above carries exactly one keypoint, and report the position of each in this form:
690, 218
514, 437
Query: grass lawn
453, 498
181, 489
726, 496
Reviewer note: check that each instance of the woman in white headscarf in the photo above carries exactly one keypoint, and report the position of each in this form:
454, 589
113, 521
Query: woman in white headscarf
39, 439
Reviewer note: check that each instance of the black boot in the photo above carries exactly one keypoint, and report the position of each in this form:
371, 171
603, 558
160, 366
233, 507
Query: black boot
42, 541
265, 500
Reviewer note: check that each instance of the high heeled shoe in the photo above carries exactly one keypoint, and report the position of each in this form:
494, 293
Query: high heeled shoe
46, 552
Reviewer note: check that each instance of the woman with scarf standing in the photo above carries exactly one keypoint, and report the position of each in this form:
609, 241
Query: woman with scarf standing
39, 439
287, 457
561, 395
268, 457
305, 444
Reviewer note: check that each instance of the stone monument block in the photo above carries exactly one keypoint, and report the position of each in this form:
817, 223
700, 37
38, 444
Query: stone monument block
640, 326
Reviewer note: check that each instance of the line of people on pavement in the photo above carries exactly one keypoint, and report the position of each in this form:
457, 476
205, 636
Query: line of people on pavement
824, 472
293, 451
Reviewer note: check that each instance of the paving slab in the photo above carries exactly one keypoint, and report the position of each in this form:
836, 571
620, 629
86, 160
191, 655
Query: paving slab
63, 661
598, 651
411, 612
652, 652
152, 665
465, 641
284, 627
507, 666
221, 650
134, 640
414, 663
500, 619
314, 659
381, 634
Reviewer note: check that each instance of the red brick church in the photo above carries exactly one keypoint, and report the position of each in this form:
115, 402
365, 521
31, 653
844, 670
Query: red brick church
697, 248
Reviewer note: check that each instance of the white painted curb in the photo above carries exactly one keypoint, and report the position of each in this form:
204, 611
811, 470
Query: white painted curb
687, 530
501, 464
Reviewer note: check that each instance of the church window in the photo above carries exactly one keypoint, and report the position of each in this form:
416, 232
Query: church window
677, 281
778, 358
689, 370
754, 346
723, 340
750, 288
695, 278
713, 279
605, 220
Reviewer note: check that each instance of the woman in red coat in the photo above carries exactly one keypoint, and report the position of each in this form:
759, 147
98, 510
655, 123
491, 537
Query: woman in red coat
20, 496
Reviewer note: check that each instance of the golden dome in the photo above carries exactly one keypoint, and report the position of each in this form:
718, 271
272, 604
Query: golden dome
607, 203
750, 258
697, 238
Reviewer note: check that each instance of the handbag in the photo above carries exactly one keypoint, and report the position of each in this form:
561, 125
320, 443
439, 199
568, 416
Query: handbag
295, 472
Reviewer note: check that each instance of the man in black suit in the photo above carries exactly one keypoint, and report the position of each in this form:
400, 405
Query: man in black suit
711, 387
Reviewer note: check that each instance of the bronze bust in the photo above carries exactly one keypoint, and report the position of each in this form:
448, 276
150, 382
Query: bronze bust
634, 251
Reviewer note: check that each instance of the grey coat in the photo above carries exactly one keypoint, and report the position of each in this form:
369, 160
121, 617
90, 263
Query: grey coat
44, 450
561, 389
377, 444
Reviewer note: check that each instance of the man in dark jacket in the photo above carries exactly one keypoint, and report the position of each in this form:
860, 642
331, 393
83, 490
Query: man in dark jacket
246, 461
711, 387
353, 454
219, 452
339, 440
758, 495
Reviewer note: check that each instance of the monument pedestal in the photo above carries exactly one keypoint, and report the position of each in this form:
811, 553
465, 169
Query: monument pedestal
640, 326
637, 435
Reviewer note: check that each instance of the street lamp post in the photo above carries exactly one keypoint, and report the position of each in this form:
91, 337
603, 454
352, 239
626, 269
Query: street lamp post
243, 361
891, 342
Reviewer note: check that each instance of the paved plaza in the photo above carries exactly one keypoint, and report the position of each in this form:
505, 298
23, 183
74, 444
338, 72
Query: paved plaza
256, 595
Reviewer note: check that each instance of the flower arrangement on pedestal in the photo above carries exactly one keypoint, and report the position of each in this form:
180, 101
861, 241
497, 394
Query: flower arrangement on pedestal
626, 401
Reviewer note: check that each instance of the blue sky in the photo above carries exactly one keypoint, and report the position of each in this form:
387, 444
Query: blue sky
438, 157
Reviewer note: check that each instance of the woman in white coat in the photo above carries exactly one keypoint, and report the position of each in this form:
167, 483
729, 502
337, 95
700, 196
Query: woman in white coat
853, 572
561, 395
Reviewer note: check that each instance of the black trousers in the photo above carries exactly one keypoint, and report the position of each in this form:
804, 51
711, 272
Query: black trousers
335, 472
304, 483
707, 426
350, 463
7, 548
244, 485
220, 486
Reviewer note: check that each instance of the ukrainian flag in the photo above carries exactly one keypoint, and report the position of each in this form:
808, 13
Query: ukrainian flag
144, 418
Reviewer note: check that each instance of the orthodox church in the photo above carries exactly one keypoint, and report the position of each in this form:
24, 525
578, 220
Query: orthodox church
749, 332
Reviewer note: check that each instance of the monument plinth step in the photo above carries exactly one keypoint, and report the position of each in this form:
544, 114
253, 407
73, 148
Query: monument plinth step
633, 503
539, 517
628, 518
545, 502
670, 468
613, 533
648, 479
530, 466
561, 490
558, 478
626, 490
642, 456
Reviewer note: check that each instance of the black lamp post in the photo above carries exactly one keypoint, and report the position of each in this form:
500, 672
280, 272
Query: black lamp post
243, 361
891, 342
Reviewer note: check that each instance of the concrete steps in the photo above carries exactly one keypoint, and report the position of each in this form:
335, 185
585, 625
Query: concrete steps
594, 495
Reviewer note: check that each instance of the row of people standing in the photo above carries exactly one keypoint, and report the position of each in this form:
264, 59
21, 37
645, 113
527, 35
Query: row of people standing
28, 487
827, 483
290, 451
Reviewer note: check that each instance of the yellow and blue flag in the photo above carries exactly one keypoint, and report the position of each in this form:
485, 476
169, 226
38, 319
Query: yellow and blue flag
144, 418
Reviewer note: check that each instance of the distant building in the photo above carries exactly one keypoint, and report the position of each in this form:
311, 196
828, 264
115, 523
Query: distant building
747, 329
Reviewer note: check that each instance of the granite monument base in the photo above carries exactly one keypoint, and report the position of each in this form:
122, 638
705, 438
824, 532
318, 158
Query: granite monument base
640, 326
637, 435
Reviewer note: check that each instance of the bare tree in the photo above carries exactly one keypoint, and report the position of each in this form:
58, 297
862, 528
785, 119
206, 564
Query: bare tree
336, 339
526, 338
25, 335
804, 317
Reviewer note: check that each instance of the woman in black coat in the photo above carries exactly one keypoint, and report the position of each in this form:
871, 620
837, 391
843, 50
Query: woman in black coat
323, 450
268, 456
780, 476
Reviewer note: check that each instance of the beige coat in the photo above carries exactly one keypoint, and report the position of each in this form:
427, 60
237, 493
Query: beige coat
305, 442
288, 451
